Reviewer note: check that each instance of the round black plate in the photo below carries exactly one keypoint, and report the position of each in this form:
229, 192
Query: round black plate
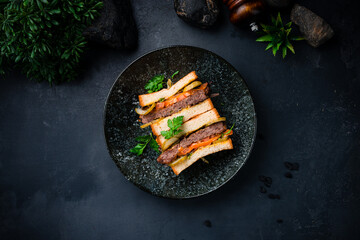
121, 122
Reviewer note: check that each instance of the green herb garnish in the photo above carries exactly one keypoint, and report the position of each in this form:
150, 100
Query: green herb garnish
155, 84
45, 38
172, 76
278, 35
154, 145
144, 141
161, 99
229, 131
173, 125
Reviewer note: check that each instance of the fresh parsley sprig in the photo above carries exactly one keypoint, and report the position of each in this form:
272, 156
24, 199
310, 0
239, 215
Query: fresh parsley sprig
143, 142
157, 83
174, 125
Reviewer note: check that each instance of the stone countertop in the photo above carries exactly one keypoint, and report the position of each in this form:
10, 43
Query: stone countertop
57, 180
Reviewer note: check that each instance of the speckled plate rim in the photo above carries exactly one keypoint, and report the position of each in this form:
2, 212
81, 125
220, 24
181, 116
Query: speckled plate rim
222, 59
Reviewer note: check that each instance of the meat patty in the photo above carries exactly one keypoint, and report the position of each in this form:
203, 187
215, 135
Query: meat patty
193, 99
170, 155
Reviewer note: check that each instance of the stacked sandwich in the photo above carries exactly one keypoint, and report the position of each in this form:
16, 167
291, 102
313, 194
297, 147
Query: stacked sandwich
186, 124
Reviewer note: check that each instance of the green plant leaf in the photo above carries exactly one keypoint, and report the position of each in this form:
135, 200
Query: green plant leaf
17, 59
268, 29
265, 38
284, 51
273, 20
264, 26
274, 51
278, 20
290, 46
288, 32
269, 46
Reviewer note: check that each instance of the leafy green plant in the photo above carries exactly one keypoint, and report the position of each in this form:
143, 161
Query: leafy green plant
174, 125
44, 37
143, 142
279, 36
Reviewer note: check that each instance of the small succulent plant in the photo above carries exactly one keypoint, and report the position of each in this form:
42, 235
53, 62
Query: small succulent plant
279, 36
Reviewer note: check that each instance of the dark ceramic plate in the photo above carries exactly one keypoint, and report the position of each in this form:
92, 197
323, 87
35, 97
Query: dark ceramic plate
121, 125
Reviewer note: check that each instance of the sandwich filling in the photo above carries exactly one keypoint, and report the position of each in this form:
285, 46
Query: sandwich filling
177, 103
186, 161
184, 122
194, 141
178, 97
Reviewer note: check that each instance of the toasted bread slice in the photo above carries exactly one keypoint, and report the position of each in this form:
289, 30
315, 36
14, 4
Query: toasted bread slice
201, 152
188, 113
189, 127
150, 98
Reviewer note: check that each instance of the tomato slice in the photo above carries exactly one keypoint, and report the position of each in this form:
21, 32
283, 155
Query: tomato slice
202, 143
227, 132
178, 97
172, 100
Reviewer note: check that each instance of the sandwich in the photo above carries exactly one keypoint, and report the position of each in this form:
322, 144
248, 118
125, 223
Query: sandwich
185, 123
211, 139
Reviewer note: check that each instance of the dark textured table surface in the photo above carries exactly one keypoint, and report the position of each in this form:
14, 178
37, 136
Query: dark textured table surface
57, 180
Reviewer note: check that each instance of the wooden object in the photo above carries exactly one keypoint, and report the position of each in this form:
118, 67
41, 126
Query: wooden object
242, 11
